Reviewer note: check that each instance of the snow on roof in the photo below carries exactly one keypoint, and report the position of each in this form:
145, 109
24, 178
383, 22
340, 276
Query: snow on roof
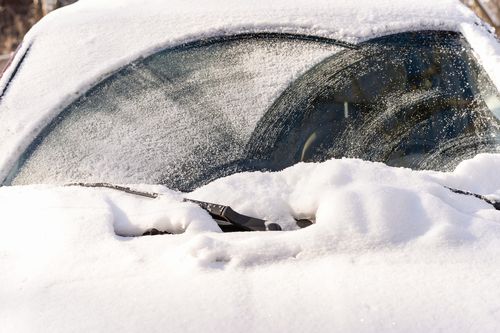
76, 46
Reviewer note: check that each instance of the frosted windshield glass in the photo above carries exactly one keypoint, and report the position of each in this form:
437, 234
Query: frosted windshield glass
173, 116
415, 100
189, 115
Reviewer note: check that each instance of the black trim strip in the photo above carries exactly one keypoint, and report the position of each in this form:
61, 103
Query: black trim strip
14, 72
261, 35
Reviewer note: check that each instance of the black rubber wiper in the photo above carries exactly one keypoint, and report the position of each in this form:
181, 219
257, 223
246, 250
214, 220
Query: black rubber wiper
227, 219
234, 220
494, 203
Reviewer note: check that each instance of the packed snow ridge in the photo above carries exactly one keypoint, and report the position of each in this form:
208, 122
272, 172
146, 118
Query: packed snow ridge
392, 250
355, 204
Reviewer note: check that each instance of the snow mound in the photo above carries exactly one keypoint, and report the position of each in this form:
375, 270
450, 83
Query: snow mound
390, 250
360, 205
356, 206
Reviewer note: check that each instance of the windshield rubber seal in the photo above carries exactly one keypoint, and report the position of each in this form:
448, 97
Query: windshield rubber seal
14, 72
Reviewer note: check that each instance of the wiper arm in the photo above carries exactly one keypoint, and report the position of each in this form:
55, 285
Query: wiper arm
227, 214
227, 219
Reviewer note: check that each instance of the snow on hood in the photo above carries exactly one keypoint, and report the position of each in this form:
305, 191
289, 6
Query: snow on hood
75, 47
391, 250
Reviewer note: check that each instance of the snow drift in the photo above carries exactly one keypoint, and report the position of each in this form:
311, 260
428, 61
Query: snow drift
391, 249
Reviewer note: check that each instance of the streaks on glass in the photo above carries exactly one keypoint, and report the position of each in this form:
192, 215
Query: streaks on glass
416, 100
189, 115
173, 118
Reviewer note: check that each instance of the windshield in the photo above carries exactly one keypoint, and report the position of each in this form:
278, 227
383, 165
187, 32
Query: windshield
200, 111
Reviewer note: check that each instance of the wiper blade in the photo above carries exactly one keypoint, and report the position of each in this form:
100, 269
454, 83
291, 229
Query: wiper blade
152, 195
227, 219
494, 203
227, 214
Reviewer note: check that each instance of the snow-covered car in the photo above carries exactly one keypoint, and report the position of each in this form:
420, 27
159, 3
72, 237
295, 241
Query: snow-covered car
365, 134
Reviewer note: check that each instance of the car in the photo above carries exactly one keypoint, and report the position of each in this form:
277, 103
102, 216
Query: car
364, 135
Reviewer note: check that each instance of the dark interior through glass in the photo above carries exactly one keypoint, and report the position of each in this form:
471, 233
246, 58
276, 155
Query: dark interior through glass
186, 116
414, 100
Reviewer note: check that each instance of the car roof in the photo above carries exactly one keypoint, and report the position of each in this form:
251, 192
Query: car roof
77, 46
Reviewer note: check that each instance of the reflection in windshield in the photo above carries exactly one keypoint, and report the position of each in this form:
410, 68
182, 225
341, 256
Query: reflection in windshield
412, 100
191, 114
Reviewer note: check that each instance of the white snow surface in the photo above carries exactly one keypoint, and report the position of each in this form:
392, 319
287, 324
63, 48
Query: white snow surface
75, 47
392, 250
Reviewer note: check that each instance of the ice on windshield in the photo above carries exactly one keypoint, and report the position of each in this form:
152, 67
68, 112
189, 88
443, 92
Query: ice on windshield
201, 111
189, 108
411, 100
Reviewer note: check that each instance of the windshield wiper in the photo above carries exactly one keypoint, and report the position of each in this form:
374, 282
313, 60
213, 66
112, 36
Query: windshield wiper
230, 220
227, 219
234, 219
494, 203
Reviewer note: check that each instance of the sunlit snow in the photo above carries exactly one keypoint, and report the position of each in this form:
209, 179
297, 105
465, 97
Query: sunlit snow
391, 250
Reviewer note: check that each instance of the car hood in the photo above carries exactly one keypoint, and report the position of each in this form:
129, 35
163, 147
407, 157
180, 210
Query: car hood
392, 249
